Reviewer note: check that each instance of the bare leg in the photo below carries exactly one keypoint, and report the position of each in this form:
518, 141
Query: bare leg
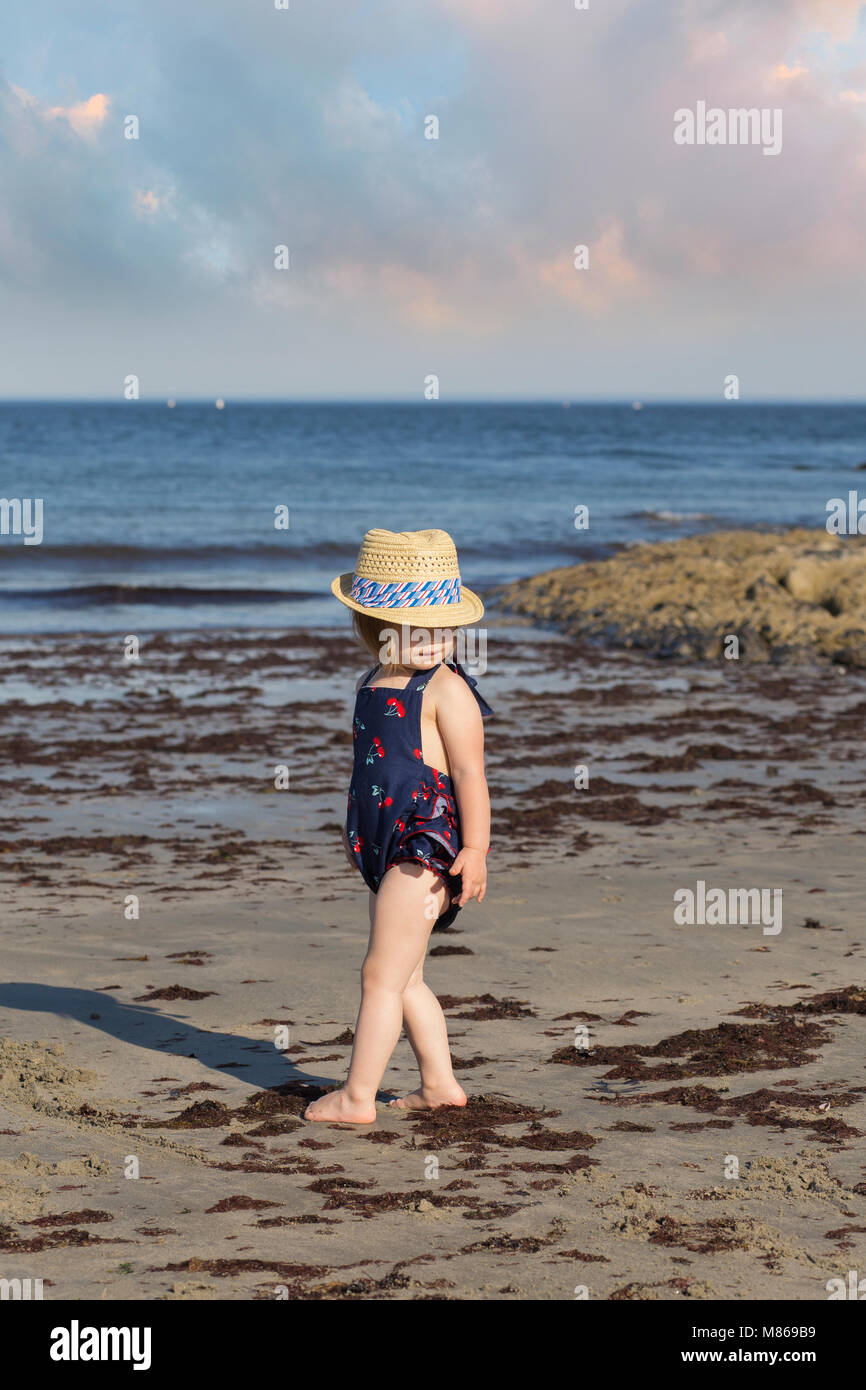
427, 1032
402, 922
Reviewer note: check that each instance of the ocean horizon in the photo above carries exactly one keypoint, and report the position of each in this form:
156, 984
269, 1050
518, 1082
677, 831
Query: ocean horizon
160, 519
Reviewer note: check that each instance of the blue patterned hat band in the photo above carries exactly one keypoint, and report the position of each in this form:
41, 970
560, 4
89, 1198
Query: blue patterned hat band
414, 593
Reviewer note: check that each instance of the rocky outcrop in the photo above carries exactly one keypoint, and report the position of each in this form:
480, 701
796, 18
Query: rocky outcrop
792, 596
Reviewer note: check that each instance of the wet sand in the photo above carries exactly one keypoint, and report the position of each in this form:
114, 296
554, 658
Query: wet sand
154, 1046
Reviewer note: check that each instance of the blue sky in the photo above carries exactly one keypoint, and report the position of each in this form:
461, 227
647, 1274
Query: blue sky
411, 257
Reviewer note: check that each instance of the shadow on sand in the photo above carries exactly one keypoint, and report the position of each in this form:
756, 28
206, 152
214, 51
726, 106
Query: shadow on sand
252, 1059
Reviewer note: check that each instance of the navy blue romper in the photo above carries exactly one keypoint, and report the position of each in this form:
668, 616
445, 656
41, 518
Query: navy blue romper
400, 808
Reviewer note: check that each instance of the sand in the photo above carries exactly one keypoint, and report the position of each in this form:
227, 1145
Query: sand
151, 1135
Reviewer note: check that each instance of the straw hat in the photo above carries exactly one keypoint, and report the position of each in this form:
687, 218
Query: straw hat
409, 577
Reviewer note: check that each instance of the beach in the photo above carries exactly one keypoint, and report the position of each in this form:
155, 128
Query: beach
658, 1110
320, 309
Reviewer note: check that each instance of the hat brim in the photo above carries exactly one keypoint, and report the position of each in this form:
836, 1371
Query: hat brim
468, 610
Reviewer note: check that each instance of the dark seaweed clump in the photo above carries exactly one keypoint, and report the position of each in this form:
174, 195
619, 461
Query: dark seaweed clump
725, 1050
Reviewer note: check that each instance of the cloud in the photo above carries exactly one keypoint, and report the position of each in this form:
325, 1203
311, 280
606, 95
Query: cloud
782, 73
306, 128
148, 202
839, 18
610, 276
84, 117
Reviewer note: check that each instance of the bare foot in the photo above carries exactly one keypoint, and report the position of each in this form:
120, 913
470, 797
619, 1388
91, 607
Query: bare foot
431, 1097
337, 1108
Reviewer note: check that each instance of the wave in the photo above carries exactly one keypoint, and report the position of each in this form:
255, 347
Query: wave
333, 555
106, 595
651, 515
634, 451
89, 551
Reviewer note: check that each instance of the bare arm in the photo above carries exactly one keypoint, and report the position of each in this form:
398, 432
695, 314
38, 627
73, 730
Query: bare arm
459, 720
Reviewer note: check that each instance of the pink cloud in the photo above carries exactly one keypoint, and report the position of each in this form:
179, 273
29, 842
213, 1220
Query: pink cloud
84, 117
838, 18
611, 275
782, 73
146, 201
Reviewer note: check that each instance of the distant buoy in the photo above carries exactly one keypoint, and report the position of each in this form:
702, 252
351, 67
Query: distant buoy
170, 405
566, 405
637, 405
220, 404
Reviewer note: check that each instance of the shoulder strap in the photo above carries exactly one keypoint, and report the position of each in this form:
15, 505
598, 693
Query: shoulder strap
420, 679
472, 683
368, 675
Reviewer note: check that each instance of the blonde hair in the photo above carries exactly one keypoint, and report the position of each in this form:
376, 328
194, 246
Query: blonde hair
368, 631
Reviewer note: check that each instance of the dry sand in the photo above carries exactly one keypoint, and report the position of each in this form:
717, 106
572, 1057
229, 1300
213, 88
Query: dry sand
149, 1046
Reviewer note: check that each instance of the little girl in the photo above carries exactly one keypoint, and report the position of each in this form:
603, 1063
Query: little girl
418, 822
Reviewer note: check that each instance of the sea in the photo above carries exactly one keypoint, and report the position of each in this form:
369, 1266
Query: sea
162, 517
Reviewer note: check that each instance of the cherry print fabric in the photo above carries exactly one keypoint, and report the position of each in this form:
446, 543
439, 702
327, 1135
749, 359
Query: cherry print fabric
399, 808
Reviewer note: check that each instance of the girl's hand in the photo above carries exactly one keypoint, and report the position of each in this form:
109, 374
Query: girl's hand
472, 864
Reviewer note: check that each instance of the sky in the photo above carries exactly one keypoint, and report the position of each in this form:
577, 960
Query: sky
411, 257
